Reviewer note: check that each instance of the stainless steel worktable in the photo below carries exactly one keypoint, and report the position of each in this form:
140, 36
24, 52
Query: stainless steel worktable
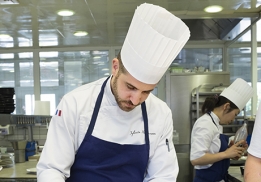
235, 172
18, 171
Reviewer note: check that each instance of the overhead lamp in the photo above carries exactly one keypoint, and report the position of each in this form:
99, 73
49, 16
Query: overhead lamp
105, 69
213, 9
80, 33
65, 12
4, 36
8, 2
96, 57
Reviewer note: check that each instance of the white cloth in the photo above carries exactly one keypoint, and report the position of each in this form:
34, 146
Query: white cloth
67, 131
205, 138
255, 147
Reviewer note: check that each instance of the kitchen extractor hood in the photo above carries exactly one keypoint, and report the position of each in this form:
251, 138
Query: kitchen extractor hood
210, 29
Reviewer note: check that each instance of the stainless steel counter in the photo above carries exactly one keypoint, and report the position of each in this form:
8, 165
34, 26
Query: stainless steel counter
18, 171
235, 172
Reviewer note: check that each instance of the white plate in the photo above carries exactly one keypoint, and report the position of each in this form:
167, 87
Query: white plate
31, 170
1, 168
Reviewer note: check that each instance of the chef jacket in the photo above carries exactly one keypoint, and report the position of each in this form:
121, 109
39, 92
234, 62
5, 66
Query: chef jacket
205, 138
69, 126
255, 147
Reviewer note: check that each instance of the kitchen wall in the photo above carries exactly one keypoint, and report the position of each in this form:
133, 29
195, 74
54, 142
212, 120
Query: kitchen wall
21, 133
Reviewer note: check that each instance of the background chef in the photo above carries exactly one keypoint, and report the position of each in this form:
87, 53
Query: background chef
114, 129
210, 151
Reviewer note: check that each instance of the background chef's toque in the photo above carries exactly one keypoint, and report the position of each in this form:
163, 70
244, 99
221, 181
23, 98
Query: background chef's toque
239, 92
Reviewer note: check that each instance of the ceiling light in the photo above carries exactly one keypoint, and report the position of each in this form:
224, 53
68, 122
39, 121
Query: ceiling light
213, 9
4, 36
105, 69
65, 12
9, 2
80, 33
106, 74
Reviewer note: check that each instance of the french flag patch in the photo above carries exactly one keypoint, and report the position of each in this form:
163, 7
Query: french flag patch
58, 112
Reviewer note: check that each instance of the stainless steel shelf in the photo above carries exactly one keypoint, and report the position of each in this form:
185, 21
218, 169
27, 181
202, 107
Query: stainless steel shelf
231, 125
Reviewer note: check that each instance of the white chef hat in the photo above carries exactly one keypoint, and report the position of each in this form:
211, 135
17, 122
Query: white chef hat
154, 39
239, 92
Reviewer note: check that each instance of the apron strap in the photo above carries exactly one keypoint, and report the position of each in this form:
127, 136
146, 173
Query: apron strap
96, 108
145, 119
212, 119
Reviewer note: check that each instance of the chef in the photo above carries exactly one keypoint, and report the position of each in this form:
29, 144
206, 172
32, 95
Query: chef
210, 149
114, 129
253, 162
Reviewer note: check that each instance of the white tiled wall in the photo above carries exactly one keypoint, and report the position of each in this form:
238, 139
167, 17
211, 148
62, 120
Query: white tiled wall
21, 133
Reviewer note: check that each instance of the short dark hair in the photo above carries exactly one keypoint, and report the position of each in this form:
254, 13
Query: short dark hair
122, 69
213, 102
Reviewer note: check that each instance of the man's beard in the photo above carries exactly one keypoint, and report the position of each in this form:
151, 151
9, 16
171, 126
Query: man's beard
125, 105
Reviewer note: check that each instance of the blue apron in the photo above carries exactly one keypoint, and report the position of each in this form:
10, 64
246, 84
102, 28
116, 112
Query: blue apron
102, 161
218, 171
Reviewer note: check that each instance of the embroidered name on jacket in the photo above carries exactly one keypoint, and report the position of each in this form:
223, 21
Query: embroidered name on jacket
134, 132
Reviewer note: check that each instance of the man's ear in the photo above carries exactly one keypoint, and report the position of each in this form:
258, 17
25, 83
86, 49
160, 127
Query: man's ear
115, 66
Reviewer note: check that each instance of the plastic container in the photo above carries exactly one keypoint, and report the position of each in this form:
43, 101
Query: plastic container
175, 137
241, 133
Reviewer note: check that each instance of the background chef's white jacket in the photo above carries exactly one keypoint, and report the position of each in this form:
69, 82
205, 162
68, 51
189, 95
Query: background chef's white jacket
255, 147
67, 131
205, 138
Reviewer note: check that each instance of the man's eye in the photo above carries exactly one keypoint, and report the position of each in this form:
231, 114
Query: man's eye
130, 87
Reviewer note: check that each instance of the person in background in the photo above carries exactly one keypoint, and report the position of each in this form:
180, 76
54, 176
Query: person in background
114, 129
210, 149
252, 171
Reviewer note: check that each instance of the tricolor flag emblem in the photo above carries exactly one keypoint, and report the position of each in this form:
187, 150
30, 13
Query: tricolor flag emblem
58, 112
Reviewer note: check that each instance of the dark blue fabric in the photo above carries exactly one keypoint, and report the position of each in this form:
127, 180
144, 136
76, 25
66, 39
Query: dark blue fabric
219, 170
102, 161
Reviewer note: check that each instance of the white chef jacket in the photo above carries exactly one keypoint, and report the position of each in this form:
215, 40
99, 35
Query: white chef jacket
255, 147
205, 138
67, 131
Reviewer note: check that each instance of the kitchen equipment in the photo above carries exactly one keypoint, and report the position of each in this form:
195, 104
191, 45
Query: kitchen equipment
7, 105
241, 133
32, 170
18, 144
30, 149
3, 150
19, 150
242, 168
19, 156
6, 130
6, 160
175, 137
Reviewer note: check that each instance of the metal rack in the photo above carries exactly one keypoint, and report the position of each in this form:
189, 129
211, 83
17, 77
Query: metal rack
25, 121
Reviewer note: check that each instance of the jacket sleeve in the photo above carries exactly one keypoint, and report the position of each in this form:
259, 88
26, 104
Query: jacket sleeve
58, 153
255, 147
163, 164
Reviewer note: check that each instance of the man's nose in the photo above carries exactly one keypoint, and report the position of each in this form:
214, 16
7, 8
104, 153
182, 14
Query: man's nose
135, 98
